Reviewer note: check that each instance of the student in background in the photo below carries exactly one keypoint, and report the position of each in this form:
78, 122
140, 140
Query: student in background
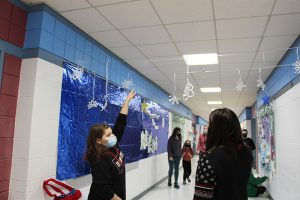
174, 155
105, 158
248, 141
187, 155
224, 169
253, 186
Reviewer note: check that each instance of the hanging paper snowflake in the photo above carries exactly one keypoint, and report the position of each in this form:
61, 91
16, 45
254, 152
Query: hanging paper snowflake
104, 105
77, 74
188, 91
127, 84
261, 84
174, 99
240, 85
297, 67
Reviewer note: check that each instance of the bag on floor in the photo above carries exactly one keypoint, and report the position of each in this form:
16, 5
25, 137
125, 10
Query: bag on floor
59, 189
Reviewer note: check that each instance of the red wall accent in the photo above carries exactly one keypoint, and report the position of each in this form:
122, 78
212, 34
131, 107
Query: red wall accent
8, 103
12, 23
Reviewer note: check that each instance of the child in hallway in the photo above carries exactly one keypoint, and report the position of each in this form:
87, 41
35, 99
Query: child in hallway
187, 154
253, 186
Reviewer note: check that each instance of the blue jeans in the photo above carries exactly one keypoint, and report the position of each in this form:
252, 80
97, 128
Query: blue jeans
174, 163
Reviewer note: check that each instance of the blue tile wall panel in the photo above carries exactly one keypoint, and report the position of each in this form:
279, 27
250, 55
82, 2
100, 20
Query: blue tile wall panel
281, 75
51, 33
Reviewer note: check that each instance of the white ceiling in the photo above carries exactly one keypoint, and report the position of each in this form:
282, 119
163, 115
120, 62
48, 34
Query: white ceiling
161, 31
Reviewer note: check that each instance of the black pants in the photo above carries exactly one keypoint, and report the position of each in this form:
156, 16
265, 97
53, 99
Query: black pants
260, 190
187, 169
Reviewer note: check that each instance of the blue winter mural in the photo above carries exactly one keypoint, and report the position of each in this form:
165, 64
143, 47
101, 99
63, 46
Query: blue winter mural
86, 100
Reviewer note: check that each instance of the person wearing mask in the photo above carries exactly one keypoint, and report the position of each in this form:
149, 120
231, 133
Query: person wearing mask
187, 155
106, 159
224, 169
174, 155
254, 188
248, 141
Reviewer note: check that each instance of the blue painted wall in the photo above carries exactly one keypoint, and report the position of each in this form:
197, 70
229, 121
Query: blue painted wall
281, 75
246, 114
52, 33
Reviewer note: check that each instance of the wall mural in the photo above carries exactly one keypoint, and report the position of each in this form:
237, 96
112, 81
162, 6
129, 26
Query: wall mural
87, 99
266, 141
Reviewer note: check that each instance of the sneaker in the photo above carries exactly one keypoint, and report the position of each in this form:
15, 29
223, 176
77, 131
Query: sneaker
169, 182
176, 185
189, 180
184, 182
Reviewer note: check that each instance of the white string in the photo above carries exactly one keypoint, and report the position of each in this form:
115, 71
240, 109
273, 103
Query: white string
106, 85
174, 82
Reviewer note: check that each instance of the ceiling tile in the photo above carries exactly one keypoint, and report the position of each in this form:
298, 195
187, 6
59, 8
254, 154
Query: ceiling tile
196, 47
245, 8
286, 6
127, 52
236, 58
277, 42
110, 38
65, 5
270, 56
148, 70
178, 11
139, 63
169, 62
231, 67
192, 31
284, 25
147, 35
88, 20
238, 45
106, 2
159, 50
128, 15
240, 28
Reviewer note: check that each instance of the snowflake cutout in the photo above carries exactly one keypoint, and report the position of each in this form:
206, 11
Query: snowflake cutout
127, 84
240, 85
105, 105
77, 74
261, 84
174, 99
297, 67
188, 91
93, 104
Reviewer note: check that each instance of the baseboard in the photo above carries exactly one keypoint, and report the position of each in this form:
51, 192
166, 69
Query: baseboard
139, 196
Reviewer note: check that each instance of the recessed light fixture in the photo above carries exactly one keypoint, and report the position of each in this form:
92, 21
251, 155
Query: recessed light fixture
201, 59
211, 89
214, 102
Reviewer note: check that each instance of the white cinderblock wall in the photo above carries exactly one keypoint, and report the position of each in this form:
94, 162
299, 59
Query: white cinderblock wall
286, 183
36, 133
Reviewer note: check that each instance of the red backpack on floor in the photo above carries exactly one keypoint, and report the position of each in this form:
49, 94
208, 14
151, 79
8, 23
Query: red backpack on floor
72, 194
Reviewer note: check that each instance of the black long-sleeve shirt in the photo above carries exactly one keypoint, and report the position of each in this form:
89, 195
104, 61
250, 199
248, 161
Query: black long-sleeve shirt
220, 176
174, 147
109, 171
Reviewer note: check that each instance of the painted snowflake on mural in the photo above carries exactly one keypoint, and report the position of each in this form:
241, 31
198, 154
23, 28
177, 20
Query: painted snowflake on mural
77, 74
297, 67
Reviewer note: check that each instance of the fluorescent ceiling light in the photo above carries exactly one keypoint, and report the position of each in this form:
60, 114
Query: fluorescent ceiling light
214, 102
210, 89
201, 59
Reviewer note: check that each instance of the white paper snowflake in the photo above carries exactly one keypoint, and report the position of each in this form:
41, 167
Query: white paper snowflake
240, 85
77, 74
174, 99
93, 104
104, 105
188, 91
297, 67
261, 84
127, 84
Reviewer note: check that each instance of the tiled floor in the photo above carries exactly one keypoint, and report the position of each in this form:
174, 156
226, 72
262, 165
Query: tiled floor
162, 191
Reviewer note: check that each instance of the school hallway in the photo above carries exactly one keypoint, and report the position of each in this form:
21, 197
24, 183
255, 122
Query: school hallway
186, 192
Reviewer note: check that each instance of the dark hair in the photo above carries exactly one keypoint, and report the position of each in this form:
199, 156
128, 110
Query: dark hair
185, 145
245, 130
93, 149
224, 130
175, 131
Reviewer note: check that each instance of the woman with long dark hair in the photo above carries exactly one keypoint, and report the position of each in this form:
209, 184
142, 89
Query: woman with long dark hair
174, 155
224, 169
106, 159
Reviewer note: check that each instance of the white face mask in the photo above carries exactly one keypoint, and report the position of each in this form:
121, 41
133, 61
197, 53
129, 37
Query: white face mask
112, 141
